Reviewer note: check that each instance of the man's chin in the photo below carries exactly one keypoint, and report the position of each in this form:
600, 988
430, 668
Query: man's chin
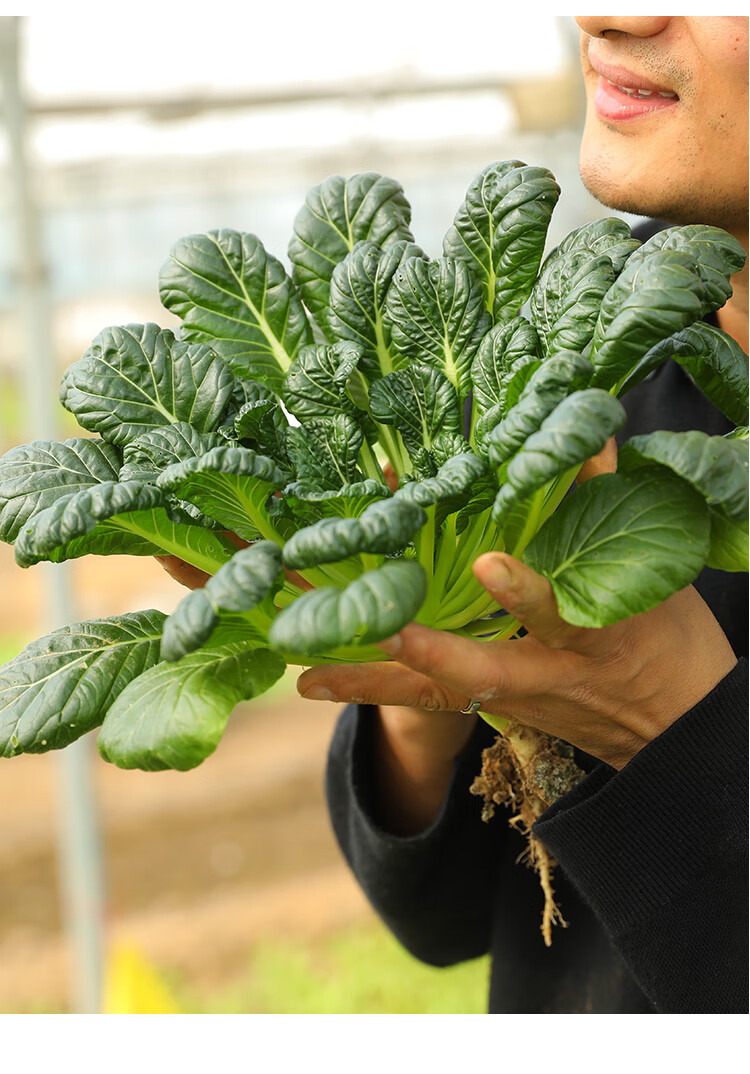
611, 189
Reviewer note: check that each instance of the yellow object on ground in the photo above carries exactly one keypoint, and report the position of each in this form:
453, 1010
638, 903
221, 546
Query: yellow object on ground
133, 986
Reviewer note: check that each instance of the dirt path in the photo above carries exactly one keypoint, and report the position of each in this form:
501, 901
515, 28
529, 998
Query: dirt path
199, 865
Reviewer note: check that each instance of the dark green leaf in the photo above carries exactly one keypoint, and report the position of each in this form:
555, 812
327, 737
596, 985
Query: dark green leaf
115, 519
651, 299
230, 292
505, 345
243, 583
384, 527
453, 480
436, 316
577, 429
621, 544
556, 378
309, 504
419, 401
137, 377
230, 485
714, 360
715, 466
358, 289
145, 457
326, 450
565, 305
60, 686
34, 476
500, 230
315, 385
375, 606
174, 715
715, 253
609, 235
337, 214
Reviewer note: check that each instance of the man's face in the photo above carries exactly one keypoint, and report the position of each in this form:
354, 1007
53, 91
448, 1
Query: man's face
671, 141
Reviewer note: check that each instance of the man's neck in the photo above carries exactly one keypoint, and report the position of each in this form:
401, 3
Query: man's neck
733, 318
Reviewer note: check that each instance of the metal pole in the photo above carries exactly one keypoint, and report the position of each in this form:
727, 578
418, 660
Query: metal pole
78, 840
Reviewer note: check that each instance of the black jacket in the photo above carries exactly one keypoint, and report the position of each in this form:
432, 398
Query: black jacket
652, 860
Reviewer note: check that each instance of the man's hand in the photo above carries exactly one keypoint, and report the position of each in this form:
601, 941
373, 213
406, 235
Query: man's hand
609, 691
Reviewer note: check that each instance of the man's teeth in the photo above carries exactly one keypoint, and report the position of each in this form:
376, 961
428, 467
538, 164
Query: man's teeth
641, 92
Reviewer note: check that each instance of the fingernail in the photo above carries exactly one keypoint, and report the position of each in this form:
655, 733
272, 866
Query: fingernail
318, 693
391, 646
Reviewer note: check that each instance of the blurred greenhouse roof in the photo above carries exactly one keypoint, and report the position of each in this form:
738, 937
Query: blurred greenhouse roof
145, 127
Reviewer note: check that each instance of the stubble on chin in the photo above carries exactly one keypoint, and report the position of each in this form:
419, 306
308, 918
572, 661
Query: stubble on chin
674, 203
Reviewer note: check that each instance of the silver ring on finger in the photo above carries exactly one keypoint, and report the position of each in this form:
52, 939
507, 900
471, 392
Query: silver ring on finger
471, 708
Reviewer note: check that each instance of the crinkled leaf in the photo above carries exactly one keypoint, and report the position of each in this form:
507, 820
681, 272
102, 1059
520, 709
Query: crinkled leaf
230, 485
564, 307
145, 457
651, 299
577, 429
116, 519
137, 377
453, 480
715, 253
34, 476
515, 381
447, 444
714, 360
436, 316
358, 289
621, 544
500, 230
229, 291
60, 686
419, 401
481, 499
309, 504
174, 715
716, 467
251, 575
243, 392
337, 214
556, 378
326, 450
504, 345
249, 421
375, 606
609, 235
315, 385
384, 527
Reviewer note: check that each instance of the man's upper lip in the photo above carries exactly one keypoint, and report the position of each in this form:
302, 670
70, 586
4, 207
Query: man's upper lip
622, 77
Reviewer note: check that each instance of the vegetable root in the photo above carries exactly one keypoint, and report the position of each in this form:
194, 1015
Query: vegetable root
528, 770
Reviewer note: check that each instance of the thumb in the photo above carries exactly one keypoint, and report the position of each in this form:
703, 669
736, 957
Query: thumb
526, 595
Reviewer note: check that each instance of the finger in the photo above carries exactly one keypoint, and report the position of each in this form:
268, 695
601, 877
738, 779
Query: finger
391, 477
183, 572
378, 684
239, 541
527, 596
464, 668
605, 462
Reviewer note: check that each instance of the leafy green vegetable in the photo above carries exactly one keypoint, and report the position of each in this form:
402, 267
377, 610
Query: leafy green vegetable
370, 424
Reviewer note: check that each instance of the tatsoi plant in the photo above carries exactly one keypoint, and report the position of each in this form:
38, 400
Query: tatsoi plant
480, 380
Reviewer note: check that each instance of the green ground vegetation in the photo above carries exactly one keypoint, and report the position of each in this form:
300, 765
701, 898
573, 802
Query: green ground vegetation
359, 970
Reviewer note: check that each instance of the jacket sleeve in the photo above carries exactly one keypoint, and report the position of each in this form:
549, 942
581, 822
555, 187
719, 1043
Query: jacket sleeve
659, 850
434, 890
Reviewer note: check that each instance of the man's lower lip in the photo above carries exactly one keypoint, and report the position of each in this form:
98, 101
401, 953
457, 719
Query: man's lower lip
615, 106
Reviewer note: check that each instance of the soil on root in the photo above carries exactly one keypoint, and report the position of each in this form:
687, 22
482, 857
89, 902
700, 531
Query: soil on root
527, 771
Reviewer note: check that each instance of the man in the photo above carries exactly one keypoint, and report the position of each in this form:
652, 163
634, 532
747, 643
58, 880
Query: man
650, 846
